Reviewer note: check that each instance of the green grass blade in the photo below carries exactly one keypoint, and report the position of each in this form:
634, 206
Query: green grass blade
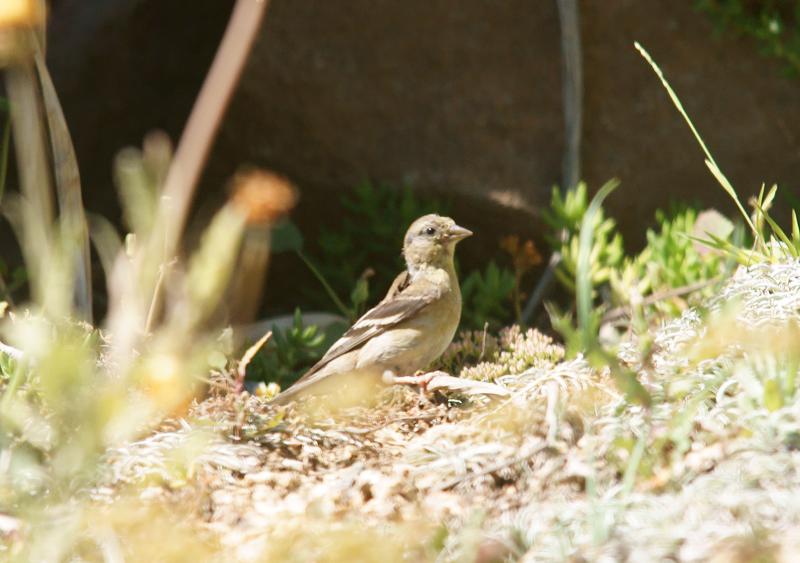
68, 187
583, 277
328, 289
724, 246
710, 162
726, 185
770, 196
631, 470
777, 231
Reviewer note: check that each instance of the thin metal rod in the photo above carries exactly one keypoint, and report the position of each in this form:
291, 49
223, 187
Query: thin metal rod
572, 96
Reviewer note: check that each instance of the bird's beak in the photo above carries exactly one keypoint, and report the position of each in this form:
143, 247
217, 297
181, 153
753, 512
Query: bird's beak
456, 233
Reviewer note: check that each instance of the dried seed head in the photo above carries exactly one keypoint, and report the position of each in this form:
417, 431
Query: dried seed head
17, 19
263, 197
524, 255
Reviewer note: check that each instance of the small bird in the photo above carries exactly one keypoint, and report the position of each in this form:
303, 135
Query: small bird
410, 328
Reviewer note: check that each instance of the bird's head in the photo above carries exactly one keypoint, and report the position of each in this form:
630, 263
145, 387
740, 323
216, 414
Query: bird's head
431, 241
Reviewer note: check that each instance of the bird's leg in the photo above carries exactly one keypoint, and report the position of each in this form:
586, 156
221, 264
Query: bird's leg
420, 378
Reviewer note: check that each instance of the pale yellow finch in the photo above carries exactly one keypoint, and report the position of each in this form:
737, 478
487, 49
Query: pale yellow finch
413, 324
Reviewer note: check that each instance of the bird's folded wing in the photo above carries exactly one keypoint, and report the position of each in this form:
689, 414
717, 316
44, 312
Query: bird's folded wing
403, 301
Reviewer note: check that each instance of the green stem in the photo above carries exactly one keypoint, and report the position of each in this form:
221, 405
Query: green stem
629, 478
583, 276
331, 293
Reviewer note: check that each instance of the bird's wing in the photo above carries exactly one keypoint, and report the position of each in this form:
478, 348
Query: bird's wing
399, 284
398, 306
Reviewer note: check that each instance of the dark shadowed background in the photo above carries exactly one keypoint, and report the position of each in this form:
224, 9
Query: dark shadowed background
461, 99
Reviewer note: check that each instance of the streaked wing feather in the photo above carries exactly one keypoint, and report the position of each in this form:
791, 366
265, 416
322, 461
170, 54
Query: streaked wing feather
399, 284
394, 309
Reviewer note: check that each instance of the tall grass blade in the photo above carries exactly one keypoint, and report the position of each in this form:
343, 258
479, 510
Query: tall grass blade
779, 232
770, 197
106, 240
68, 188
583, 277
5, 147
724, 246
710, 162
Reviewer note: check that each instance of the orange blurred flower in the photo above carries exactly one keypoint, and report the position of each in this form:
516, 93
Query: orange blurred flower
262, 196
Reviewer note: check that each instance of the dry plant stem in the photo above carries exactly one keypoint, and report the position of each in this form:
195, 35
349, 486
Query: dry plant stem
619, 312
241, 371
204, 121
155, 303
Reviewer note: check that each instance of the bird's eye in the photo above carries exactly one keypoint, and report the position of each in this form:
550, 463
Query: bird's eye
430, 231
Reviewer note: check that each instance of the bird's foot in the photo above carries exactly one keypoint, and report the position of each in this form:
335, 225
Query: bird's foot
441, 381
420, 378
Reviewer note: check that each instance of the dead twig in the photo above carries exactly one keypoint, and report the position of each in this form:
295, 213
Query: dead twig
241, 371
620, 312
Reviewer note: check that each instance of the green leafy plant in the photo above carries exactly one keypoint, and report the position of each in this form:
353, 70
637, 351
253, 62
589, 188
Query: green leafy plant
487, 297
290, 352
287, 237
673, 261
7, 367
11, 279
565, 217
583, 337
773, 24
358, 258
369, 236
